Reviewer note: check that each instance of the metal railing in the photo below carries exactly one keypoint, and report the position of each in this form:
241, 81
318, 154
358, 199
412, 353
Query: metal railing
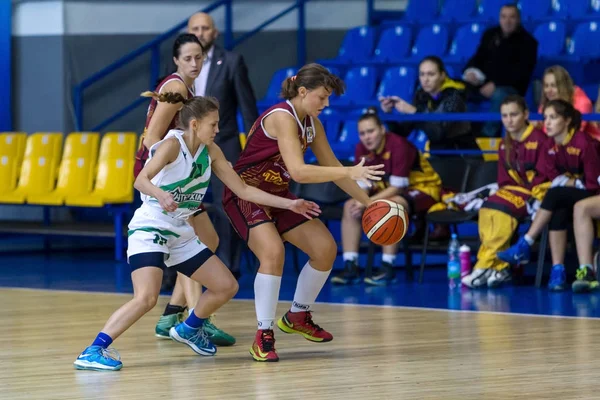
154, 48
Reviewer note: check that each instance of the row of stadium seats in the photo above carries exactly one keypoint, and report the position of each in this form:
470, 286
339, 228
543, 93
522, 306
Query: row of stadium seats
88, 172
488, 10
400, 43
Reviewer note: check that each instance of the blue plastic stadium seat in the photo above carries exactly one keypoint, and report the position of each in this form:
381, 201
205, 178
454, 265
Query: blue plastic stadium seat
357, 45
421, 10
398, 81
489, 10
431, 40
331, 124
585, 42
534, 10
574, 9
551, 37
272, 96
360, 87
458, 10
465, 42
394, 44
346, 144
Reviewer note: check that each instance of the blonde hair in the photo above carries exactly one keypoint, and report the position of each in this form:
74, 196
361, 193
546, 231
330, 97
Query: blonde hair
564, 84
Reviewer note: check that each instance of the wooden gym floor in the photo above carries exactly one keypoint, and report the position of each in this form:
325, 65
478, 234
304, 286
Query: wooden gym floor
378, 352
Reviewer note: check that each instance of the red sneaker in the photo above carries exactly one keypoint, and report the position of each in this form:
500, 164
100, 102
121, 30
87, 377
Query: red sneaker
263, 348
302, 324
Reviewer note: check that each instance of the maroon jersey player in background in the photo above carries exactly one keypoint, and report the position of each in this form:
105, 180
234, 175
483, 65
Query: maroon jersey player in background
577, 163
273, 155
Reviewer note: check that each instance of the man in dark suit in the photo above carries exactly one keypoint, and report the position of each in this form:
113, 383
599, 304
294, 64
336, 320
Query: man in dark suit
224, 75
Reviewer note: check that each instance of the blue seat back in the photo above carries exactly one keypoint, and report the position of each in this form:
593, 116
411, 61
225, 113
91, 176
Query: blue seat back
398, 81
394, 44
432, 40
585, 41
360, 84
422, 10
358, 44
570, 8
275, 85
458, 9
466, 41
534, 9
551, 38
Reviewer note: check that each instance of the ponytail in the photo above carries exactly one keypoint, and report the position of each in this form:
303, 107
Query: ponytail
167, 97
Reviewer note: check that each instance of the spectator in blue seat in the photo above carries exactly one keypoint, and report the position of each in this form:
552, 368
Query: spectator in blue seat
502, 65
436, 94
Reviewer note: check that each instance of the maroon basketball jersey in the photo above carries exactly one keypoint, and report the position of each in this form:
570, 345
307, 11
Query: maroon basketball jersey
260, 164
142, 153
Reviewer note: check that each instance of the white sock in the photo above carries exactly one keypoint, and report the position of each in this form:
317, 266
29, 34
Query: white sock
266, 294
529, 240
310, 283
350, 256
388, 258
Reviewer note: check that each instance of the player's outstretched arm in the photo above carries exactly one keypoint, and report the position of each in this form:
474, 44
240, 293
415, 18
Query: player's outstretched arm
284, 127
325, 157
166, 153
224, 171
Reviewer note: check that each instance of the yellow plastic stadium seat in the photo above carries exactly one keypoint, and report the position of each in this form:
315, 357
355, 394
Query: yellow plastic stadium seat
114, 185
38, 171
487, 144
118, 145
12, 149
114, 179
76, 171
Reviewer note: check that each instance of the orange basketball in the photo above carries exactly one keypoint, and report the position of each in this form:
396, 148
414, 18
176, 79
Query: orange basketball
385, 222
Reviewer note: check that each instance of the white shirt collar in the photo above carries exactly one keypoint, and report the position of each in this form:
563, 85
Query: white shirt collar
210, 53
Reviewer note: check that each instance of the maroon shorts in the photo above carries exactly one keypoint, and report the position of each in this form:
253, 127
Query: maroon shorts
418, 202
245, 215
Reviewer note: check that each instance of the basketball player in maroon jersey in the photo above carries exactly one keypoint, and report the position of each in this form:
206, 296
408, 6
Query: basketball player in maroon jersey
188, 55
273, 155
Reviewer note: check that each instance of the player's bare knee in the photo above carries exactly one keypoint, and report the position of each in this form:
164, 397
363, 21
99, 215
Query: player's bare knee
147, 301
231, 288
271, 259
323, 254
581, 210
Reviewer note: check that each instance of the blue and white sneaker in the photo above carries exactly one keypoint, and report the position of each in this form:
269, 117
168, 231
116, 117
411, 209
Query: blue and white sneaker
96, 358
197, 339
518, 253
558, 278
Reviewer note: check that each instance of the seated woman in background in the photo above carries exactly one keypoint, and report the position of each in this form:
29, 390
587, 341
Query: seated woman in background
576, 160
523, 177
409, 180
558, 84
436, 94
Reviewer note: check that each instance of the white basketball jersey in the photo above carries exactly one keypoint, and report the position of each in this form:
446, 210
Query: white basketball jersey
186, 178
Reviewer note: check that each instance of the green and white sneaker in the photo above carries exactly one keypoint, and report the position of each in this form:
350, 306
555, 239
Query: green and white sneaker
216, 335
166, 322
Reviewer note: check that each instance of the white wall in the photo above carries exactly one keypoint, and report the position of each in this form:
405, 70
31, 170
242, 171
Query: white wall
78, 17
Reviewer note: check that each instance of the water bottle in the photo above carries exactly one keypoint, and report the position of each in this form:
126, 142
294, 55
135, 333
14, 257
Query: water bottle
453, 261
465, 260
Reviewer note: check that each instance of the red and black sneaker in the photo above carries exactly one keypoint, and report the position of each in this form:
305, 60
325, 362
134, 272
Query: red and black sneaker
263, 348
302, 324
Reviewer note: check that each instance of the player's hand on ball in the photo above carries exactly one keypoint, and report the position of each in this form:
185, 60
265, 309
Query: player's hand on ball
167, 202
306, 208
366, 174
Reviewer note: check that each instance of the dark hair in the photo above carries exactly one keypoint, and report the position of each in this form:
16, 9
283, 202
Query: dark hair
371, 113
182, 39
522, 105
437, 61
194, 107
567, 111
312, 76
513, 6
